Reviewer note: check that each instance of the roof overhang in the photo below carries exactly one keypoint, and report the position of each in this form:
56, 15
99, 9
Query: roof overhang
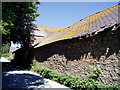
92, 24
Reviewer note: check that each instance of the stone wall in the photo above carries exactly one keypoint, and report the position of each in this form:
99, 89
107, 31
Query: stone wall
83, 68
103, 46
75, 55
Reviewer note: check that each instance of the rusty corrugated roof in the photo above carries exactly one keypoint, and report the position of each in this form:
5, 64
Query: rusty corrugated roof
93, 23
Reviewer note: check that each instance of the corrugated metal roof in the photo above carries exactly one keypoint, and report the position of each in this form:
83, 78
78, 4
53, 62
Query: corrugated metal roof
93, 23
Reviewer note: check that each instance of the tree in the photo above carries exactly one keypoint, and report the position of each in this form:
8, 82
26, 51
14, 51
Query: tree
16, 17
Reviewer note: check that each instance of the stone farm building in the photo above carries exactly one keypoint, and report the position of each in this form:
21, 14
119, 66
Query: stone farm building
93, 41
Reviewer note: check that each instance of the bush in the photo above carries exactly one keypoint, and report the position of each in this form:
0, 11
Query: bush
71, 81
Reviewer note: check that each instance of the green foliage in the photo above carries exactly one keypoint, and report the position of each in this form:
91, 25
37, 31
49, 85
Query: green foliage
4, 24
16, 17
10, 59
5, 50
90, 69
95, 73
71, 81
33, 64
5, 55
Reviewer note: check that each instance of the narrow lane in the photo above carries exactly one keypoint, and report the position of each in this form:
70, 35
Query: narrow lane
17, 77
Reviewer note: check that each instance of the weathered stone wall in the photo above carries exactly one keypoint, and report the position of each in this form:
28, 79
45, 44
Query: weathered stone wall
102, 49
102, 46
82, 68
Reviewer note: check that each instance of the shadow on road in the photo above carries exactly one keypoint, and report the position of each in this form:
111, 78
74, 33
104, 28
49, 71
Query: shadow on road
21, 80
16, 77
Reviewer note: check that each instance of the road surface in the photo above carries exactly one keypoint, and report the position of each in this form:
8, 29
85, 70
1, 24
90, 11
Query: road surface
16, 77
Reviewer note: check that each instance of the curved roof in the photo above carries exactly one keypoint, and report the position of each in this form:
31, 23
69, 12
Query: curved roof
93, 23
